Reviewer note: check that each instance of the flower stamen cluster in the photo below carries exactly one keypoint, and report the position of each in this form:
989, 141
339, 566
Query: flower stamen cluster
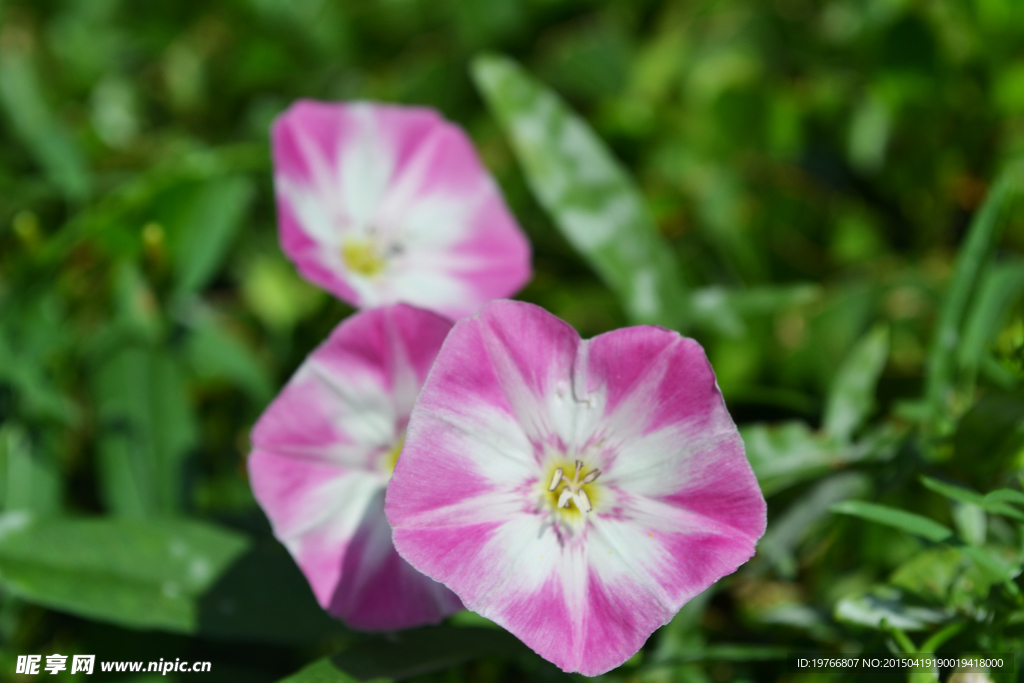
573, 490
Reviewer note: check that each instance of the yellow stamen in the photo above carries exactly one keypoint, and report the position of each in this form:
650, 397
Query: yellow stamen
571, 496
391, 459
361, 256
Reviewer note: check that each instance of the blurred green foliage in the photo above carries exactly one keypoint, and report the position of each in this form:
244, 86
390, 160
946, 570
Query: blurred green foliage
822, 193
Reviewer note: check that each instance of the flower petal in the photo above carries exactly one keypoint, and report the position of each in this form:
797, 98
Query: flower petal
319, 466
378, 590
407, 178
315, 510
678, 504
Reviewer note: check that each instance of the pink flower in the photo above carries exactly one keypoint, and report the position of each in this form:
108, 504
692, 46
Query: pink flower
381, 204
576, 492
322, 456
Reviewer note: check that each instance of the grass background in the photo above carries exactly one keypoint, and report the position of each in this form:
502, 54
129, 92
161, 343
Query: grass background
819, 162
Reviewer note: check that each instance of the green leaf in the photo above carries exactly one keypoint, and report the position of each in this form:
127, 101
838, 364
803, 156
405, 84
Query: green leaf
137, 312
957, 576
936, 640
787, 530
905, 644
34, 123
943, 575
138, 574
410, 653
981, 238
205, 229
994, 502
954, 492
790, 452
214, 352
418, 651
132, 202
1001, 286
970, 522
38, 397
466, 618
900, 519
739, 652
885, 606
321, 671
148, 429
990, 435
683, 635
787, 453
592, 200
994, 566
723, 311
32, 481
276, 294
1005, 496
851, 397
240, 607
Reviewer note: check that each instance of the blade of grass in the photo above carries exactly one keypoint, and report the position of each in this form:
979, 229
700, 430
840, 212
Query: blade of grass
981, 237
899, 519
851, 397
33, 122
590, 197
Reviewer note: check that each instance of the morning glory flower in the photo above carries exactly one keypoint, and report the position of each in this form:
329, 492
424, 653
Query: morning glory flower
381, 204
323, 453
576, 492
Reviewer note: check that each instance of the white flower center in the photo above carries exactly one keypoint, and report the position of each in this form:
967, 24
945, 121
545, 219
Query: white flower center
573, 489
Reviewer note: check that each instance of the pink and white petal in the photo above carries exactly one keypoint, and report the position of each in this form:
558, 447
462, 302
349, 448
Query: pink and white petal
359, 386
342, 421
397, 344
438, 190
315, 509
654, 378
304, 143
494, 257
674, 552
679, 505
351, 398
333, 165
720, 485
480, 547
347, 154
316, 466
513, 357
378, 590
313, 224
416, 336
313, 244
576, 619
673, 437
455, 474
587, 605
366, 165
516, 573
444, 202
337, 408
404, 130
419, 279
490, 262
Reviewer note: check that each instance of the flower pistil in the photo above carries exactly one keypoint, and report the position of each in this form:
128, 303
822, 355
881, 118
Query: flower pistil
574, 490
